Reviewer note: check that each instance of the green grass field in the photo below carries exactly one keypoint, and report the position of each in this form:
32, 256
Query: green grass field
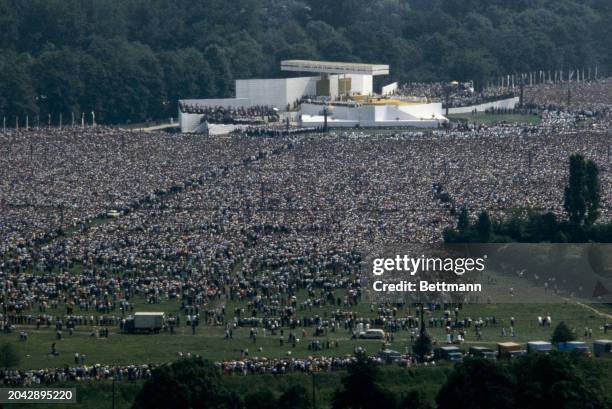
492, 119
209, 341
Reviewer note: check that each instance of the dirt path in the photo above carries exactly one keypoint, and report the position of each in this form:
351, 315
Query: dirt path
595, 310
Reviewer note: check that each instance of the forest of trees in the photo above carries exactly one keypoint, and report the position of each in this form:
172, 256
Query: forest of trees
534, 381
130, 60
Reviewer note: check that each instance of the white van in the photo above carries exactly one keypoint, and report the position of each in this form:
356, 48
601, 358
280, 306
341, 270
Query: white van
372, 334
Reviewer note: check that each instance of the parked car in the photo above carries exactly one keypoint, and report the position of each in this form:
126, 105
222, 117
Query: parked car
389, 355
449, 353
372, 334
482, 352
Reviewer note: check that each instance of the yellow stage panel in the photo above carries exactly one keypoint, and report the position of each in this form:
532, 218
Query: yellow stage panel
365, 100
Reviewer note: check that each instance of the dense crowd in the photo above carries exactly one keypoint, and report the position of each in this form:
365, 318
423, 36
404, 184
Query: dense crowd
281, 366
593, 96
53, 179
49, 376
454, 95
305, 214
232, 115
245, 366
276, 131
257, 220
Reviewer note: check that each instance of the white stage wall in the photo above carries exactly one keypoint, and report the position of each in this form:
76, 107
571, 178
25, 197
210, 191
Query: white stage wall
509, 103
389, 89
282, 91
276, 92
191, 122
421, 115
361, 84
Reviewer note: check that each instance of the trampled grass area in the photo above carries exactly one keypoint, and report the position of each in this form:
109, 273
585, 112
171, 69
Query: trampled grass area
492, 119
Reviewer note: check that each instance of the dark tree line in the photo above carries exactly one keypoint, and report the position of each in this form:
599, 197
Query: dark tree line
197, 383
534, 381
130, 60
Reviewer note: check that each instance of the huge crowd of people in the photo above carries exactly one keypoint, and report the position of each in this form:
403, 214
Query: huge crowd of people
52, 179
81, 373
237, 367
255, 220
586, 95
232, 115
280, 366
453, 94
591, 96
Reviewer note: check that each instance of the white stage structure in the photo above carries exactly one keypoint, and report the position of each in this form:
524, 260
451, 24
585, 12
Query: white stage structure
191, 123
346, 89
327, 67
278, 93
374, 116
389, 89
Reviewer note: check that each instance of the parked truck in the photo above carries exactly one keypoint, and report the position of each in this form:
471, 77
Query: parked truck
507, 350
573, 346
147, 322
542, 347
602, 347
